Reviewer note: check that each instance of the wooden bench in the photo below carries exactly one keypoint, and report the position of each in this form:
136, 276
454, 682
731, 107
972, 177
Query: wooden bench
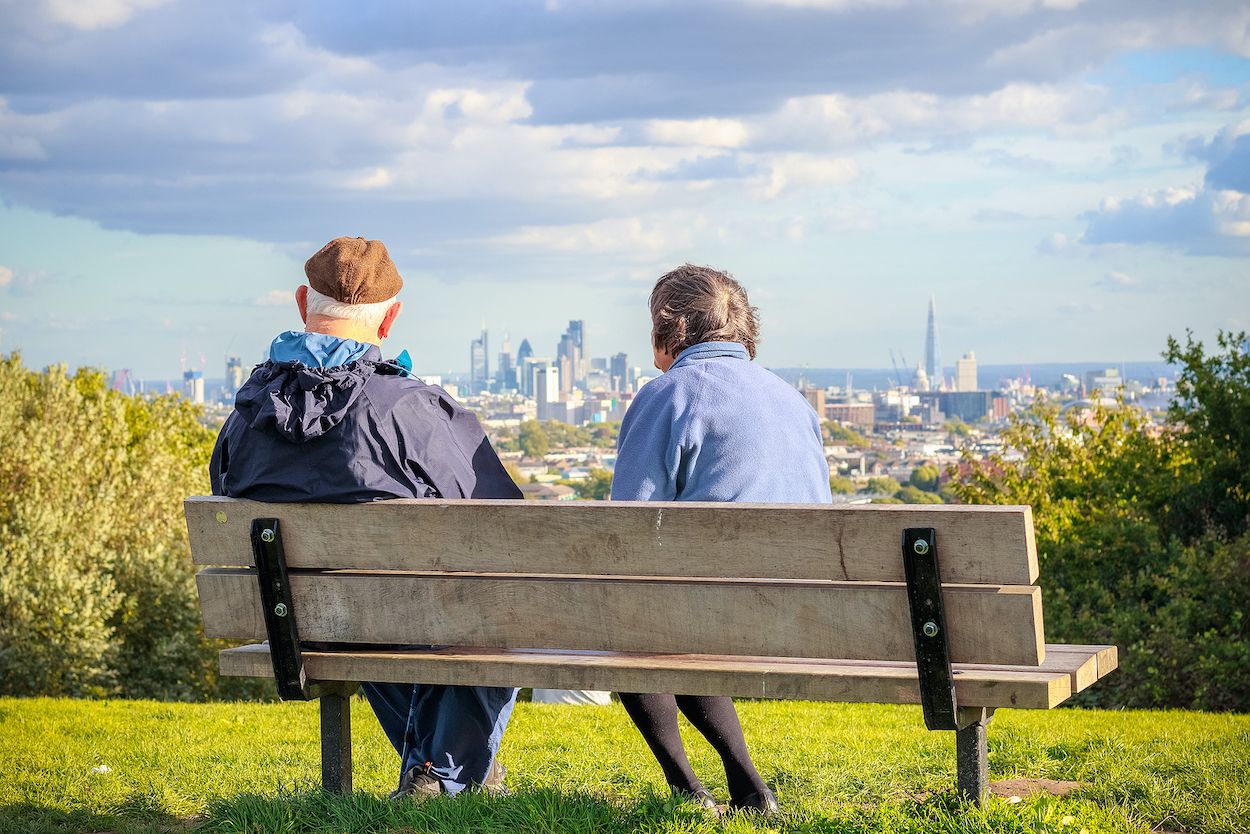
756, 601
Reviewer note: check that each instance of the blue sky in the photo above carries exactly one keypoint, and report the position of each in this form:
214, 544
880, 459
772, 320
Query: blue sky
1070, 179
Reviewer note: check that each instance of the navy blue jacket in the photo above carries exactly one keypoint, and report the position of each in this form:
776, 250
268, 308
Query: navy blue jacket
351, 433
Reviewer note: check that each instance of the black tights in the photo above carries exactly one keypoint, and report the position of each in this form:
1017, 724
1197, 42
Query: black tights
714, 716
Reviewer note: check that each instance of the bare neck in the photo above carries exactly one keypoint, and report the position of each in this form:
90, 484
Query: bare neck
343, 329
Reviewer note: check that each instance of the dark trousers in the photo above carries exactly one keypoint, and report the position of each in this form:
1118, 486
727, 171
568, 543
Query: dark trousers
455, 729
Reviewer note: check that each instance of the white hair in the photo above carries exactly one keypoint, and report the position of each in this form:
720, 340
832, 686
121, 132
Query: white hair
369, 315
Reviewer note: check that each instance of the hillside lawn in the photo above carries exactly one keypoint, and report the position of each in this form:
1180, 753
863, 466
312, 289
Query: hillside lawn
134, 766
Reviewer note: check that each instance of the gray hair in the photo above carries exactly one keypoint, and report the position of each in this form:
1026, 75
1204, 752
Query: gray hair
369, 315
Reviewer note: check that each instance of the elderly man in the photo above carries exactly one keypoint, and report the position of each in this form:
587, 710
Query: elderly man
326, 419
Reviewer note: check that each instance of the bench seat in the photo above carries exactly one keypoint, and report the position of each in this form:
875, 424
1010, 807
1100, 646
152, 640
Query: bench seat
1066, 671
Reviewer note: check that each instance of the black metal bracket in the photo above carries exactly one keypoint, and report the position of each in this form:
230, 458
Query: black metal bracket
279, 610
928, 624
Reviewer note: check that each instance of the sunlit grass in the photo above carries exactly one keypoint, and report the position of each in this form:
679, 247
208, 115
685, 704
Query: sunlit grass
77, 766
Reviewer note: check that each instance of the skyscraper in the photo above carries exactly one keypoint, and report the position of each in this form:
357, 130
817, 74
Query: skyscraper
618, 373
193, 386
547, 393
932, 354
505, 376
571, 356
966, 372
234, 376
479, 363
523, 355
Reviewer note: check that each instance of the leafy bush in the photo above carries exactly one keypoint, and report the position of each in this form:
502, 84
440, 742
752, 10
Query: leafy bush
97, 594
840, 485
925, 477
1126, 558
912, 495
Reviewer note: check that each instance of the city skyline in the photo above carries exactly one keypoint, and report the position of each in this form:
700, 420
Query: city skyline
1069, 178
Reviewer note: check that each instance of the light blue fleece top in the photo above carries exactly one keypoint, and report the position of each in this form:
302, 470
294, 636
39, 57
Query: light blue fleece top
316, 350
718, 427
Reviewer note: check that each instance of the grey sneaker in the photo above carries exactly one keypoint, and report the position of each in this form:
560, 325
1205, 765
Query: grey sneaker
494, 784
418, 785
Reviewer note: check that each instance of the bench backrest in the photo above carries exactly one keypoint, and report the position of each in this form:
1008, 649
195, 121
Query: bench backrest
720, 579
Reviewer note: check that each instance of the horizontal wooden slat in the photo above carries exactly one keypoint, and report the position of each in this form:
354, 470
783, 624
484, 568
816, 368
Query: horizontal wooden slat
777, 618
888, 683
991, 545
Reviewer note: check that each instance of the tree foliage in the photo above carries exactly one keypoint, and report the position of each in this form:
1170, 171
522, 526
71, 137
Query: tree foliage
596, 486
925, 477
97, 594
533, 439
840, 485
1127, 558
1212, 407
835, 432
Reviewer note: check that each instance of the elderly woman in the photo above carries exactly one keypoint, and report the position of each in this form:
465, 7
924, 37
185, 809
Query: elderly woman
714, 427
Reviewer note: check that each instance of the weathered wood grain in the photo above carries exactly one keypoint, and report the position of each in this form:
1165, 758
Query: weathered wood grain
775, 618
978, 545
743, 677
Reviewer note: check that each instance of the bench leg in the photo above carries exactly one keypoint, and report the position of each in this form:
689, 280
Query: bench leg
336, 738
972, 754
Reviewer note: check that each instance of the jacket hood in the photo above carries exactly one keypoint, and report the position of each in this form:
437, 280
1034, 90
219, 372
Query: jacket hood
299, 402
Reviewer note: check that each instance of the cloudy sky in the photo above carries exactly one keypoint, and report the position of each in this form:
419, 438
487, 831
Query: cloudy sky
1070, 179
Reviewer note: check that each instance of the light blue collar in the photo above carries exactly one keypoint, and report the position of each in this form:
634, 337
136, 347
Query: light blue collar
711, 350
318, 350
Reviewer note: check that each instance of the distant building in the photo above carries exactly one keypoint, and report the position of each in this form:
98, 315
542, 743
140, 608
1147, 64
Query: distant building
1107, 382
571, 356
920, 379
816, 399
234, 377
505, 376
966, 372
968, 406
854, 414
479, 363
547, 393
548, 492
619, 373
523, 354
932, 353
193, 386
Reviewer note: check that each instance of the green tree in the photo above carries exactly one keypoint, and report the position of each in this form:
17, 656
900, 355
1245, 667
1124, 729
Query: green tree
533, 439
1103, 485
839, 485
97, 595
957, 428
1212, 409
836, 433
564, 436
603, 435
881, 486
925, 477
913, 495
597, 486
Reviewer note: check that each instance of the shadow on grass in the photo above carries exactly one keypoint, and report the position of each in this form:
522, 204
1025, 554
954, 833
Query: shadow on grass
537, 810
137, 815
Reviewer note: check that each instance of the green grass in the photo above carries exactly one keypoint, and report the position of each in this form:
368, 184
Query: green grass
837, 768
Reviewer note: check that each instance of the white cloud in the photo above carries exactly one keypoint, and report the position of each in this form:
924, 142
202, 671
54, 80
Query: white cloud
95, 14
6, 276
632, 235
789, 172
717, 133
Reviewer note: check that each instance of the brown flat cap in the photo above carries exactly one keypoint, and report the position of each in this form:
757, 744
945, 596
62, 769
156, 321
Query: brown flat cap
353, 270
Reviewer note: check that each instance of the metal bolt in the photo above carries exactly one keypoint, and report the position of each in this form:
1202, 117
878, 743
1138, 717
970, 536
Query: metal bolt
921, 547
221, 517
280, 609
930, 629
266, 535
